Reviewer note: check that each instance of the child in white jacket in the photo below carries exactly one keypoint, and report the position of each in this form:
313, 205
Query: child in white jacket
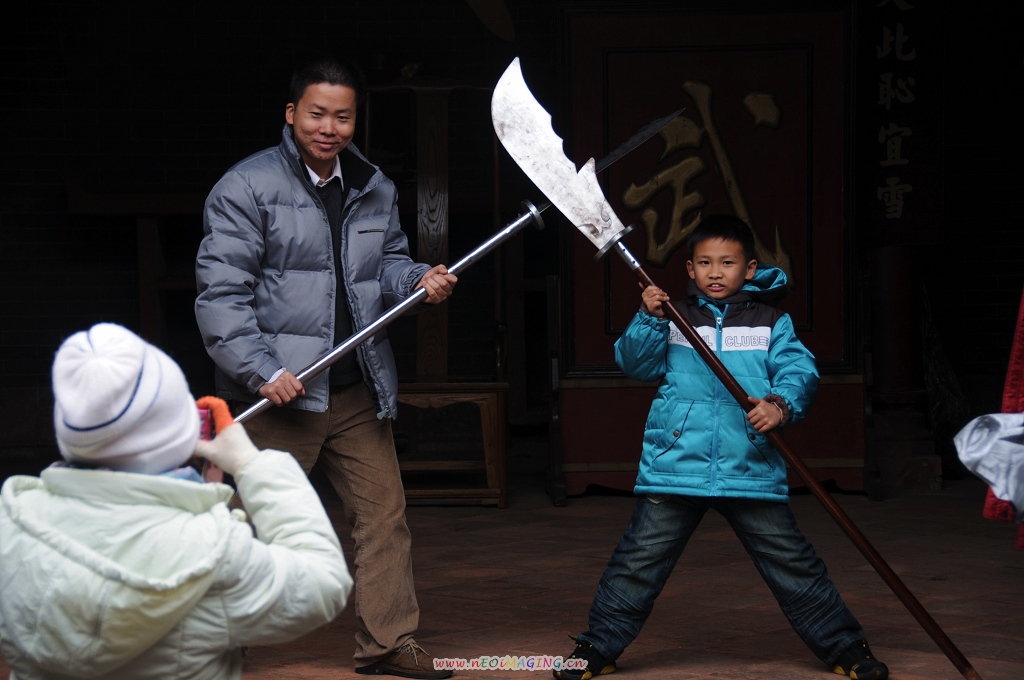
122, 563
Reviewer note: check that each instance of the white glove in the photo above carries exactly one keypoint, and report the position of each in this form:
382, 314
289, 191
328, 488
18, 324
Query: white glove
229, 450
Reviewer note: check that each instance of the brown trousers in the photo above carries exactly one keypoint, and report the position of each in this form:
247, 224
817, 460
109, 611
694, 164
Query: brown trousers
357, 453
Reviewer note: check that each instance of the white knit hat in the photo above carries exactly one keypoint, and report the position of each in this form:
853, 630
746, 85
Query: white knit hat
121, 403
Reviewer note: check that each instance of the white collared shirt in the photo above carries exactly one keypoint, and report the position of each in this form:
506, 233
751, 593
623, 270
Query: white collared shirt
336, 172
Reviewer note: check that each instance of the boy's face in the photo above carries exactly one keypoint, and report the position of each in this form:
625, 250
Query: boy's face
719, 267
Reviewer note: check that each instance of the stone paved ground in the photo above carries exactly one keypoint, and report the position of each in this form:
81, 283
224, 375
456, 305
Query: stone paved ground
518, 581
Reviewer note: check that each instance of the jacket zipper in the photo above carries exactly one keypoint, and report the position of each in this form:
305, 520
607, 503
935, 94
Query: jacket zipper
359, 352
719, 318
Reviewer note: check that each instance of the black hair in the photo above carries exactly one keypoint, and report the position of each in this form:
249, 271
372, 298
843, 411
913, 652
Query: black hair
327, 70
725, 227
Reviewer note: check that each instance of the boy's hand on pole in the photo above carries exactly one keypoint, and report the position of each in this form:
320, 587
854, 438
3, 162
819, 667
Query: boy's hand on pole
765, 415
653, 297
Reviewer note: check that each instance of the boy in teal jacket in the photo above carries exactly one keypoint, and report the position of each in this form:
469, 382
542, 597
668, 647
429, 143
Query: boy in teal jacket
701, 452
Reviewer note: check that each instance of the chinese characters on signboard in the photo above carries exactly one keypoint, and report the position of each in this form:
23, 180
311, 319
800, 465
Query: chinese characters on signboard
895, 55
688, 135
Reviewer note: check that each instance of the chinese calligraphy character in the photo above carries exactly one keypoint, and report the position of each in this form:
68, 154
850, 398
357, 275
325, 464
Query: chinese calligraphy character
886, 91
893, 138
680, 133
686, 133
900, 41
892, 197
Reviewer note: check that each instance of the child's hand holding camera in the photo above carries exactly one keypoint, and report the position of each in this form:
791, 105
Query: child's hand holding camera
231, 448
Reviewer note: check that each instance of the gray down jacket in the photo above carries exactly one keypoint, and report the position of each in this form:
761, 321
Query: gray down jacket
266, 281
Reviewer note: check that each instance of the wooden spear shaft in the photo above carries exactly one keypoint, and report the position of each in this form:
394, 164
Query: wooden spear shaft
845, 523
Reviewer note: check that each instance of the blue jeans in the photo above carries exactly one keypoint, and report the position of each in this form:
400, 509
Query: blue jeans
658, 532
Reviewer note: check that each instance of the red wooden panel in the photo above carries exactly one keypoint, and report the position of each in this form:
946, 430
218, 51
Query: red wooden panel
762, 136
602, 435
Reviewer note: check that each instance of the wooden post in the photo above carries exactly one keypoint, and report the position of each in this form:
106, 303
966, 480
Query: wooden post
432, 225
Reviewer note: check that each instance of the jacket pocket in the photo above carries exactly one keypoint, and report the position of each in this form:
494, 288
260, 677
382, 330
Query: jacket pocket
366, 253
662, 434
762, 449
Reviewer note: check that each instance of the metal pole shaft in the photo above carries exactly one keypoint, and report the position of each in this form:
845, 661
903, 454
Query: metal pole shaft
912, 604
531, 215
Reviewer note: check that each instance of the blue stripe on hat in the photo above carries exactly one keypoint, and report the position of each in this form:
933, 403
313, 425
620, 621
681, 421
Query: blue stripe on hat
127, 406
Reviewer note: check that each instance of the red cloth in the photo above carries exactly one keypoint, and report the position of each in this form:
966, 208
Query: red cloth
1013, 391
996, 508
1013, 402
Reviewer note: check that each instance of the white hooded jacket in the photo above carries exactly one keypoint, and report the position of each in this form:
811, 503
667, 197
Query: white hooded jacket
121, 575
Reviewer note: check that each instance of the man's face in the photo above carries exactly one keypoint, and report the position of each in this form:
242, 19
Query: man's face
719, 267
324, 121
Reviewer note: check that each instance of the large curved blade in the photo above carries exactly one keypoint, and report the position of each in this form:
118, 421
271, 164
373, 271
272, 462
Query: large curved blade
524, 129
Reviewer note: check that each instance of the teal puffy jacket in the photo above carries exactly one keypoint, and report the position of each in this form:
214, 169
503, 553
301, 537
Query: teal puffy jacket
697, 441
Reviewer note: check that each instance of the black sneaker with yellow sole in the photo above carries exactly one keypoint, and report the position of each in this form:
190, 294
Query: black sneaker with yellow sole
859, 663
596, 664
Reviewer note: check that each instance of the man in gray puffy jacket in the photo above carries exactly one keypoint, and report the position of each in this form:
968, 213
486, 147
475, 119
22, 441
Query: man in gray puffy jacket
303, 247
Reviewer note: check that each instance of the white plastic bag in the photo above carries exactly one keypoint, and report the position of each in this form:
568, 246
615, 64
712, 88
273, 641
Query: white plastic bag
992, 447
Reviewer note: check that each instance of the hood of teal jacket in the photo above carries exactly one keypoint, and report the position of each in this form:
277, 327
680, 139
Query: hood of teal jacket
768, 285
